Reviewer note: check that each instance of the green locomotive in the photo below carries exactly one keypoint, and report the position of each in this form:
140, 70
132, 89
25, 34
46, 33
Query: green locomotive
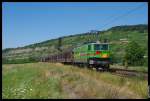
93, 54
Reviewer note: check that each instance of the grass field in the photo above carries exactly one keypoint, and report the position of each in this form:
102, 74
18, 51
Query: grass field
58, 81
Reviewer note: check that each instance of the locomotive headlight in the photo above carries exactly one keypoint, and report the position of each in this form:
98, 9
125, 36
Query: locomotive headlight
104, 55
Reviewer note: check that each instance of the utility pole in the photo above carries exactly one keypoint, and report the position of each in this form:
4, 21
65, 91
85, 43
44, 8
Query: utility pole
97, 38
60, 44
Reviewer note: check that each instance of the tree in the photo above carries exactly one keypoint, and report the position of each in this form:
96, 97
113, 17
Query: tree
133, 54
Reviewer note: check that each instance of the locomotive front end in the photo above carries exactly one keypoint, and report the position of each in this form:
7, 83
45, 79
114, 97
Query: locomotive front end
101, 55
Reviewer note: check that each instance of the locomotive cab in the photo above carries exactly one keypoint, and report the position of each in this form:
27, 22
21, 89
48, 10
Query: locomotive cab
100, 59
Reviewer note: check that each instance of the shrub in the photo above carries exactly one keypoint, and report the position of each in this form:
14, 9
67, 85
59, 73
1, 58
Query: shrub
134, 54
18, 61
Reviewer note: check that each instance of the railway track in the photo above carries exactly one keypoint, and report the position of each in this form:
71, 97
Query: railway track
126, 73
129, 73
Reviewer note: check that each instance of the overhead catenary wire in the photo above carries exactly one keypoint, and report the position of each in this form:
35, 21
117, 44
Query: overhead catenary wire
115, 18
123, 15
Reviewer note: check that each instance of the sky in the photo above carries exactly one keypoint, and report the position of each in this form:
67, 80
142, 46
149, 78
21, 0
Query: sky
25, 23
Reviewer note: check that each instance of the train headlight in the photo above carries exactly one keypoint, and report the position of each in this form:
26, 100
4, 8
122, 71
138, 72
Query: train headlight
104, 55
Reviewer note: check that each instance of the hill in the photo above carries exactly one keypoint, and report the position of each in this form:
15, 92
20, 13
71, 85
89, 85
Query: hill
118, 37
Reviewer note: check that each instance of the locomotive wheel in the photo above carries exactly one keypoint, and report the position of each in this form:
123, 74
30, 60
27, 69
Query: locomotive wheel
106, 67
89, 65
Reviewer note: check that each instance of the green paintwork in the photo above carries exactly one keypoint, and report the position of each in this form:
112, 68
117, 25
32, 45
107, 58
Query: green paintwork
82, 54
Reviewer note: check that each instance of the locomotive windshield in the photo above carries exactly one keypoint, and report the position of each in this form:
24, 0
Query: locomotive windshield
101, 47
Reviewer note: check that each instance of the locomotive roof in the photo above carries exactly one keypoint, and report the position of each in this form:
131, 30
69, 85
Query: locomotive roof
97, 43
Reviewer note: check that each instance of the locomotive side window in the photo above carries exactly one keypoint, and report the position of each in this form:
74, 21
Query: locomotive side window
89, 47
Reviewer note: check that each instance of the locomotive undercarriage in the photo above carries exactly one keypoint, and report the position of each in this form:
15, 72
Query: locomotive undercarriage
99, 63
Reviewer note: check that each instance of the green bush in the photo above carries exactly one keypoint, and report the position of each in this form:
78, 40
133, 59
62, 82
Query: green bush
134, 54
18, 61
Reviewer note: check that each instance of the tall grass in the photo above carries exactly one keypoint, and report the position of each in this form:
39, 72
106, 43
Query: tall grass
47, 80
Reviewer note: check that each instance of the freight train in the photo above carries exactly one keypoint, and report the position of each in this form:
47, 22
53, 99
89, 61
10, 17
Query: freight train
95, 55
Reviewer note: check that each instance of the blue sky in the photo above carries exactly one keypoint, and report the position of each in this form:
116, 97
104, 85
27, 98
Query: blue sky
27, 23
